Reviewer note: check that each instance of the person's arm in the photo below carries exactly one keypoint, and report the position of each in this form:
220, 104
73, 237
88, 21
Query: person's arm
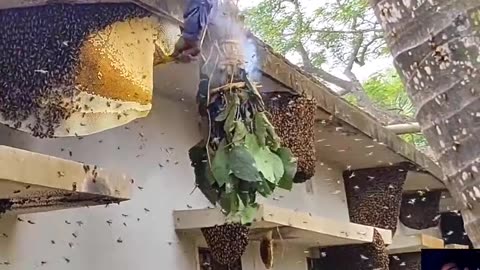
196, 18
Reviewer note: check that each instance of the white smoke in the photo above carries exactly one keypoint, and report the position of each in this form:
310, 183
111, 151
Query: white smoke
251, 60
228, 27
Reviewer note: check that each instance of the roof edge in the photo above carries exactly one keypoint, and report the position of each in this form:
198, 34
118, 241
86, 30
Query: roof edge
283, 71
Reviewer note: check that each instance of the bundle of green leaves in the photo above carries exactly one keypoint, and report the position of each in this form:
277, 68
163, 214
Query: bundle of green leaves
243, 158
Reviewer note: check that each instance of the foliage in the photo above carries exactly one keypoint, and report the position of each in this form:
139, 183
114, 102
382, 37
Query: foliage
243, 157
328, 31
386, 89
337, 33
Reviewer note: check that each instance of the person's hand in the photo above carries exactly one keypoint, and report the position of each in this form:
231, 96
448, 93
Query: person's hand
186, 51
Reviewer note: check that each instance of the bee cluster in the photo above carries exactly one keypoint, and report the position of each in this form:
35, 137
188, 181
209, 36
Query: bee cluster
293, 117
374, 196
420, 210
453, 230
25, 199
39, 59
207, 262
5, 205
359, 257
406, 261
227, 242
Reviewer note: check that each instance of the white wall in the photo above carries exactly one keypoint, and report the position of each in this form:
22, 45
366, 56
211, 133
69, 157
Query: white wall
324, 195
151, 242
403, 230
146, 242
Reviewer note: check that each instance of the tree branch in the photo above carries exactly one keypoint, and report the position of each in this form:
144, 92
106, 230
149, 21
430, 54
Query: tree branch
353, 86
357, 44
360, 31
361, 58
309, 67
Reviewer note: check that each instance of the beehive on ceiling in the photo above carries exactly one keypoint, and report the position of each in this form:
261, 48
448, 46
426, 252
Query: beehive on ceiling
73, 70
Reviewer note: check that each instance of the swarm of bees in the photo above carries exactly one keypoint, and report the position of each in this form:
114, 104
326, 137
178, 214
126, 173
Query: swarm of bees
39, 59
5, 205
293, 117
374, 196
453, 229
227, 242
359, 257
424, 213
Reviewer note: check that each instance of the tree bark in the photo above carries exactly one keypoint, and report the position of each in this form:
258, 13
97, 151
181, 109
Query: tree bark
436, 50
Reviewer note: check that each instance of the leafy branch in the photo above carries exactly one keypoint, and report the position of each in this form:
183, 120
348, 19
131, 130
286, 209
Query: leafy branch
246, 157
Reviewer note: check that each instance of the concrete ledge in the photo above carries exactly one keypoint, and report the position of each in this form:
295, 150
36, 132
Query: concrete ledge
414, 243
287, 225
32, 182
456, 246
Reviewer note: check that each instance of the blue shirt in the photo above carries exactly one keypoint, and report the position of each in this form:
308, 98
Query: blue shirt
196, 18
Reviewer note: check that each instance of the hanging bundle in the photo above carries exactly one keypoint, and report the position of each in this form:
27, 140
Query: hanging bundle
245, 156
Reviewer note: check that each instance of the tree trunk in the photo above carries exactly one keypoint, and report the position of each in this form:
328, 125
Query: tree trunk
435, 45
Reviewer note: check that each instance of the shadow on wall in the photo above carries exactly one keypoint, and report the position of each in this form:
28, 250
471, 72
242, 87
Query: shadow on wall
7, 236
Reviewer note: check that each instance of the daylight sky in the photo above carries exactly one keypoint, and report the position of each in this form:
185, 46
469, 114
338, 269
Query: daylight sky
362, 72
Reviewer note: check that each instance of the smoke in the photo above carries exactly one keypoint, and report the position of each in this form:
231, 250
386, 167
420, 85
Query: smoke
251, 60
228, 26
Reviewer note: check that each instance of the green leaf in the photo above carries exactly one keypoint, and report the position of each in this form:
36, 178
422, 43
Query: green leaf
240, 131
290, 165
224, 202
241, 205
260, 129
273, 139
242, 164
269, 164
251, 143
264, 188
244, 197
203, 176
234, 203
230, 121
232, 186
223, 115
248, 214
220, 168
229, 203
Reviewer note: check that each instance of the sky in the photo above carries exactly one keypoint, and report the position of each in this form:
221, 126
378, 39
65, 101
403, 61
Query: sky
362, 73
